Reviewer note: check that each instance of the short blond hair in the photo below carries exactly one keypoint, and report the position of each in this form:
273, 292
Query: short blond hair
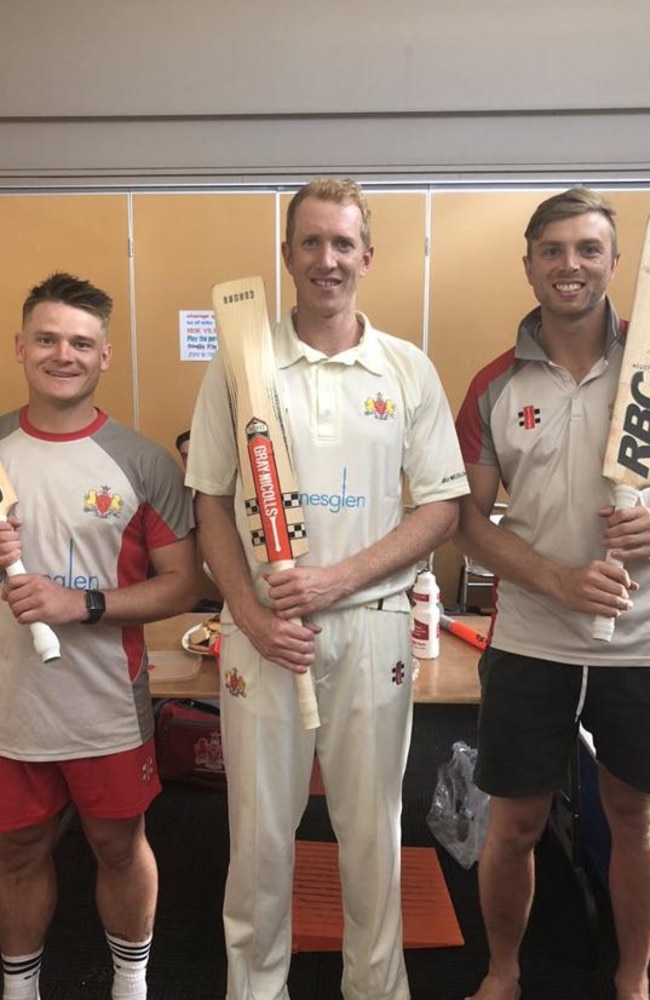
342, 190
575, 201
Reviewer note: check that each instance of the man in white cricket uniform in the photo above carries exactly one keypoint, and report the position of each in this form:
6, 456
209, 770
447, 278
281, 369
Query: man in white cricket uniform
363, 410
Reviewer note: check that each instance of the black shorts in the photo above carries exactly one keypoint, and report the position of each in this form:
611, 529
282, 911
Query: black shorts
528, 722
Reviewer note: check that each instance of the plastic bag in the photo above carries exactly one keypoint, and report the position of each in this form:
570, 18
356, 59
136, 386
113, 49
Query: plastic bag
459, 810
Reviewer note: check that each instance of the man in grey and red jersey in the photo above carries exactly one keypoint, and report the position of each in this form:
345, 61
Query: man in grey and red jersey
535, 422
99, 506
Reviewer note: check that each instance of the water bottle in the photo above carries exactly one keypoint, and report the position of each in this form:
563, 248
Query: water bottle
425, 616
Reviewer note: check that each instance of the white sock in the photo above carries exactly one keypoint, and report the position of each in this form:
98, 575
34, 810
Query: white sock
130, 967
21, 974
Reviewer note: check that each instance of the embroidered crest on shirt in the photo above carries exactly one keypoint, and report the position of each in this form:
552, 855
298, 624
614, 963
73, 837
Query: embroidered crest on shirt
379, 408
235, 684
398, 673
529, 417
103, 503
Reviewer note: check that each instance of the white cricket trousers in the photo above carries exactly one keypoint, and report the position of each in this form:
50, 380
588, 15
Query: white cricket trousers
363, 676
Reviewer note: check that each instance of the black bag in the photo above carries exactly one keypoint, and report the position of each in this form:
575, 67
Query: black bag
188, 743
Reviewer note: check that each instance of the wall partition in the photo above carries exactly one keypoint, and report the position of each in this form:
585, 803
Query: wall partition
447, 275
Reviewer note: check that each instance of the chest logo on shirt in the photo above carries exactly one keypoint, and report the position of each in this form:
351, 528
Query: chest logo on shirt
529, 417
398, 673
379, 408
103, 503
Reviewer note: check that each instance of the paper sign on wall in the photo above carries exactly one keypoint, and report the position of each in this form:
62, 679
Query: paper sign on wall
198, 334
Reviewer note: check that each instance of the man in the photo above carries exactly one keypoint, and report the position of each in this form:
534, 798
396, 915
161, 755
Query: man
183, 446
536, 421
98, 505
363, 409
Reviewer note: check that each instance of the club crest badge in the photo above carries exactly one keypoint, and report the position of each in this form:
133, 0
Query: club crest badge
103, 503
379, 408
235, 684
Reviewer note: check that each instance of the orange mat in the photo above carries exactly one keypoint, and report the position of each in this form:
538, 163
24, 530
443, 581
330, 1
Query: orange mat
427, 911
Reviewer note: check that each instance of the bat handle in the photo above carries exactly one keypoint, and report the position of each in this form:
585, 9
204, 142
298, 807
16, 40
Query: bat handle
45, 641
307, 704
306, 692
603, 627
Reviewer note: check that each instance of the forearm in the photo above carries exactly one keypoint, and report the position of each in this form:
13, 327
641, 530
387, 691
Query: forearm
150, 600
414, 539
171, 590
304, 591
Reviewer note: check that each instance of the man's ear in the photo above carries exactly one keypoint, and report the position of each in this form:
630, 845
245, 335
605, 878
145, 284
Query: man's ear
367, 260
286, 256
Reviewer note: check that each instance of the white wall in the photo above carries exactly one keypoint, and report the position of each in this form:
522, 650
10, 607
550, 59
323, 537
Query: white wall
242, 89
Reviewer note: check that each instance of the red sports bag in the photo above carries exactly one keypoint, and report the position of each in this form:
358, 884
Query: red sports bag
188, 743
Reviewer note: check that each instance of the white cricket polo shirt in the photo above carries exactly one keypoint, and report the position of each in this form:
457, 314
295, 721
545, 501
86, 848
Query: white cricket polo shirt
358, 422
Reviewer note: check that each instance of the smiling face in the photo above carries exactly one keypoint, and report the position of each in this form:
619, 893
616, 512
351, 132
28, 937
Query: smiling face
571, 263
326, 257
63, 351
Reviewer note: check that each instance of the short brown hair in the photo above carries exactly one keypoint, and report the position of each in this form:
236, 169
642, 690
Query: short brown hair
72, 291
575, 201
342, 190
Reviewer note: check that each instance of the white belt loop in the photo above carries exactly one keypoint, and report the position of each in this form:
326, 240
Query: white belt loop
583, 691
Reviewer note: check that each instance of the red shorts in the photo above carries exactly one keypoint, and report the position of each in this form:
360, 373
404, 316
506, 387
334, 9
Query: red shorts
118, 786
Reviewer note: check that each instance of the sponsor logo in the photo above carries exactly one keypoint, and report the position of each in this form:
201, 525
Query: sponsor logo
529, 417
147, 770
69, 577
239, 297
103, 503
335, 502
379, 408
634, 449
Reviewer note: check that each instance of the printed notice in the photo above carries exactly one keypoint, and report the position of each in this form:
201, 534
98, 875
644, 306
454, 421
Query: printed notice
198, 334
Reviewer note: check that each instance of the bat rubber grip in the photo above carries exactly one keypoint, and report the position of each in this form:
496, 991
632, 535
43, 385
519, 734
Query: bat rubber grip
603, 627
44, 638
307, 704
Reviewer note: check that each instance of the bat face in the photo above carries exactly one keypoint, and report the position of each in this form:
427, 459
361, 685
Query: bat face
275, 517
7, 493
627, 459
628, 452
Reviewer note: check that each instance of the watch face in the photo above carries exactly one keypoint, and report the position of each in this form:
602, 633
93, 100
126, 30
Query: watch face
96, 604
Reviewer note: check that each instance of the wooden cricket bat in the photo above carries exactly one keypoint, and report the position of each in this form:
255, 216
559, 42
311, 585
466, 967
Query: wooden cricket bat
627, 458
45, 641
275, 516
463, 631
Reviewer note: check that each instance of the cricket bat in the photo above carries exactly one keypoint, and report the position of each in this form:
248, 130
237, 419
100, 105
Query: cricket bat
275, 517
627, 458
463, 631
45, 641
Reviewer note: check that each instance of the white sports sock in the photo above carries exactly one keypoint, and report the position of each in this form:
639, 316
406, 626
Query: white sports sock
130, 967
21, 974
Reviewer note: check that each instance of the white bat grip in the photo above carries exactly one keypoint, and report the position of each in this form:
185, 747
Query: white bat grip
307, 704
45, 641
603, 628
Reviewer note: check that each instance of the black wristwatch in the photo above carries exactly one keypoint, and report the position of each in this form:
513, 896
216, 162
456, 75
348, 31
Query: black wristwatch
96, 604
